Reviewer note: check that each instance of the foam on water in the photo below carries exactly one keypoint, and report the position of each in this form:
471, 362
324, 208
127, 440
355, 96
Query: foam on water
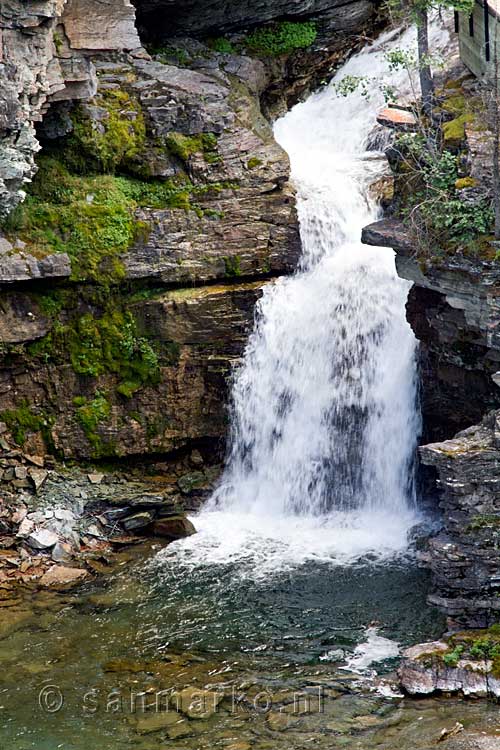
260, 544
374, 649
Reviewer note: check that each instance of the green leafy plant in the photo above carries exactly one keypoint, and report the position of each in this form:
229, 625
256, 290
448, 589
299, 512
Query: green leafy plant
436, 214
281, 38
451, 658
221, 44
485, 648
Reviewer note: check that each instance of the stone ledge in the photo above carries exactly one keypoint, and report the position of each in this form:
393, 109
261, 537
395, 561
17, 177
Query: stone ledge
21, 266
387, 233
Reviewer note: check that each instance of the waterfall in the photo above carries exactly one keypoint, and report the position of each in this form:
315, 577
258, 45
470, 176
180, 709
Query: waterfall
324, 416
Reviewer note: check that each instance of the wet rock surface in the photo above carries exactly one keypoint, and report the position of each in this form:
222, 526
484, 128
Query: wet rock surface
453, 309
464, 557
60, 526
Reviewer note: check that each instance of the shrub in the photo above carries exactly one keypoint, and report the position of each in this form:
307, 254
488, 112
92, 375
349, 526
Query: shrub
221, 44
451, 658
437, 215
281, 38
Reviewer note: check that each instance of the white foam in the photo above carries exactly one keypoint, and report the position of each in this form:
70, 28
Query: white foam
260, 545
375, 649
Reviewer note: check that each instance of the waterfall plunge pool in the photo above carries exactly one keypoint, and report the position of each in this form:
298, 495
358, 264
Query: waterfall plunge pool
260, 642
295, 598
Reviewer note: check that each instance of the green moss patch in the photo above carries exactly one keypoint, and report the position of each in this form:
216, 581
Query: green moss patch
97, 344
222, 45
23, 420
465, 182
185, 146
109, 141
90, 414
454, 130
281, 38
254, 162
232, 265
92, 218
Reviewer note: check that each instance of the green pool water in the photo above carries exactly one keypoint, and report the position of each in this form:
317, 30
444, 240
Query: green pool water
79, 668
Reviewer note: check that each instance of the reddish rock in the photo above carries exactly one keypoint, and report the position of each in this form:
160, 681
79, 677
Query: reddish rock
174, 527
398, 119
59, 576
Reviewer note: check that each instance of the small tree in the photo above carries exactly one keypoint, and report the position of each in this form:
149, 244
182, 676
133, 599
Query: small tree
490, 94
417, 11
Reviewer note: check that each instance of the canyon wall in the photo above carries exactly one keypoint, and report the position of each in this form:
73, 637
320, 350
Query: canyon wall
158, 206
453, 308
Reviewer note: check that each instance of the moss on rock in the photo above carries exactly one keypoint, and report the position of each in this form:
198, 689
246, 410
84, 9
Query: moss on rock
454, 130
90, 414
281, 38
185, 146
92, 217
465, 182
109, 136
25, 419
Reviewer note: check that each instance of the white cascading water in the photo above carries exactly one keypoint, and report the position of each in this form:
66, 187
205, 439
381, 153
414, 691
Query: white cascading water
324, 418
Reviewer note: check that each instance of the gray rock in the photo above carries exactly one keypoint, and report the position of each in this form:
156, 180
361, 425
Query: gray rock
42, 539
20, 472
463, 557
138, 520
38, 477
216, 16
61, 552
423, 672
25, 528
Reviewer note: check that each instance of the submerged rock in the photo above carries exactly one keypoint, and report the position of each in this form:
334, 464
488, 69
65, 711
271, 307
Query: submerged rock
156, 722
198, 704
173, 527
59, 576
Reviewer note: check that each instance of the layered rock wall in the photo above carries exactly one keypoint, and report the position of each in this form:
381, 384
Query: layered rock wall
160, 209
464, 556
112, 363
44, 57
454, 310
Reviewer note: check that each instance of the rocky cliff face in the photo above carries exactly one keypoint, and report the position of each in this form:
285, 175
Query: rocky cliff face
464, 557
453, 308
195, 17
160, 207
45, 56
147, 372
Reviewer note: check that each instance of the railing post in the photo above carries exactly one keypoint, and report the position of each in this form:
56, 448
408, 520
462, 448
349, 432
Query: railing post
486, 30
